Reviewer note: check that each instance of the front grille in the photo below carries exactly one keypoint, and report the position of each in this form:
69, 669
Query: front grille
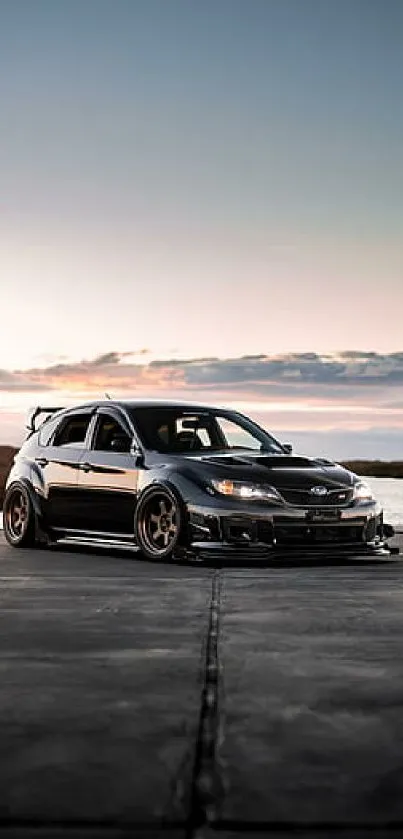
323, 534
303, 498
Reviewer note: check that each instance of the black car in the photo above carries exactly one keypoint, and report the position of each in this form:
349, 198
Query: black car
177, 480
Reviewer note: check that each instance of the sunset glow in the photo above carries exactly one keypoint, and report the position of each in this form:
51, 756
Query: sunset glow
205, 212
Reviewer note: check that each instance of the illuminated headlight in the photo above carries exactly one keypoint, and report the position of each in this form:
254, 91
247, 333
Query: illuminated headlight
362, 492
246, 491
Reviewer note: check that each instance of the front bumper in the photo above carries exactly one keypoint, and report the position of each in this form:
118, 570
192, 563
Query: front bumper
255, 530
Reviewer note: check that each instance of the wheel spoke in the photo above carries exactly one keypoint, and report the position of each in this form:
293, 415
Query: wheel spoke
159, 524
16, 515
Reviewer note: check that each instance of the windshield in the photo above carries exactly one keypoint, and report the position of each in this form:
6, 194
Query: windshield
181, 430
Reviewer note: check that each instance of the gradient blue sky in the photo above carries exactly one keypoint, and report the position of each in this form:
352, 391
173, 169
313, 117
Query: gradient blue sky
213, 178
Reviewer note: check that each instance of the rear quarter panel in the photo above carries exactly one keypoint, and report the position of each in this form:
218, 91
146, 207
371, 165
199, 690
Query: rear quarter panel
25, 469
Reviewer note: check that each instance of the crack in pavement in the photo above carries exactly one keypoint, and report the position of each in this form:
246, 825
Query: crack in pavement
207, 784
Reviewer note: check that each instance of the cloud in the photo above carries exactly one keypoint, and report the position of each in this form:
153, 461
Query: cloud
5, 376
11, 382
348, 377
348, 391
307, 375
116, 357
107, 358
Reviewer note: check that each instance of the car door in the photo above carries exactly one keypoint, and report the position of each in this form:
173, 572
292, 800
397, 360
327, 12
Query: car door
108, 476
59, 463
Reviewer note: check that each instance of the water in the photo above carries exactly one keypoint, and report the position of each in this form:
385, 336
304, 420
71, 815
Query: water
389, 491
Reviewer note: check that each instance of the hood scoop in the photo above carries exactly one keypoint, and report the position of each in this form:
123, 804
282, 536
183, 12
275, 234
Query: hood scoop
230, 460
278, 461
285, 462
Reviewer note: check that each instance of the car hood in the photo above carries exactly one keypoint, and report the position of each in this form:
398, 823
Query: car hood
281, 471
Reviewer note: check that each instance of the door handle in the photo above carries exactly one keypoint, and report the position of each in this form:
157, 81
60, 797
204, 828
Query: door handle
85, 467
41, 461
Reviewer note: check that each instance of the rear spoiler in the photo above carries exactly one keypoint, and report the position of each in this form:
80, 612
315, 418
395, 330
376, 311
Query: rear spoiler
34, 413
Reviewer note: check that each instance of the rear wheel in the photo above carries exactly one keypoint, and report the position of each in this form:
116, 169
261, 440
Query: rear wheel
19, 517
158, 524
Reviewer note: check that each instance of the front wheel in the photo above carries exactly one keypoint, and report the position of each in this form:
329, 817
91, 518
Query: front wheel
19, 517
158, 523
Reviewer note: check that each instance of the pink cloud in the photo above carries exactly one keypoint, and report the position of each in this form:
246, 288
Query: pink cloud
350, 390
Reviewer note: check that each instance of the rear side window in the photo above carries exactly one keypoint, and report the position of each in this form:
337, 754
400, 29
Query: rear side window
73, 431
47, 430
108, 428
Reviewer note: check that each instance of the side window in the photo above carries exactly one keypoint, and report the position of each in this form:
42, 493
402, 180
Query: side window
110, 435
47, 430
236, 436
73, 431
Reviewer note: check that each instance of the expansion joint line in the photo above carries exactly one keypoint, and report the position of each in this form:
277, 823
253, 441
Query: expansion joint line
207, 782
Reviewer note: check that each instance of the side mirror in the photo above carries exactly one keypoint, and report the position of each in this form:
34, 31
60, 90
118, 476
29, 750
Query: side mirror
287, 448
388, 531
120, 443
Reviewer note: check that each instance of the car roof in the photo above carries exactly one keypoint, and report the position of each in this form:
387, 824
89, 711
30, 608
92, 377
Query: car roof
145, 403
133, 404
56, 413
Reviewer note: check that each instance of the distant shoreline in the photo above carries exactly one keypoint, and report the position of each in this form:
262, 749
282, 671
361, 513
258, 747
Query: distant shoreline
367, 468
375, 468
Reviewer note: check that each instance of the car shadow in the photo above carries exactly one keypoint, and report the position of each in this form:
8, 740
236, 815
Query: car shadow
286, 560
300, 562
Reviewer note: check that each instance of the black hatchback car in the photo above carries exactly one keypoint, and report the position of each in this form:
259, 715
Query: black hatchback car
178, 480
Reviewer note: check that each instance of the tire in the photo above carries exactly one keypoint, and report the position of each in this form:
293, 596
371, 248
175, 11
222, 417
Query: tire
159, 522
19, 517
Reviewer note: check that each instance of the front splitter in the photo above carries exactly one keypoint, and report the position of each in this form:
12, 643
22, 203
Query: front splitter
267, 553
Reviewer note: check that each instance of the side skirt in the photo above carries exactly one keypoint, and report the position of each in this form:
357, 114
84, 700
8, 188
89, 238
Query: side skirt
95, 538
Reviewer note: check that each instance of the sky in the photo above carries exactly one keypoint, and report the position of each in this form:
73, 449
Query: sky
205, 199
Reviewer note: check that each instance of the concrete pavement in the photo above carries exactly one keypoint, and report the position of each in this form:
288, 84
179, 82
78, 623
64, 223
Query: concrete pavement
166, 700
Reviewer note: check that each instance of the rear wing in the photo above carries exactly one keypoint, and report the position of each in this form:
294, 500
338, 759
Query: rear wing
31, 425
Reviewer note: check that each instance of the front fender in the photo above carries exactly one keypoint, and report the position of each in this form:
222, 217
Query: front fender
190, 491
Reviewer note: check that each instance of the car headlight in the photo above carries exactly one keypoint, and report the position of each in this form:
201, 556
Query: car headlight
362, 492
247, 491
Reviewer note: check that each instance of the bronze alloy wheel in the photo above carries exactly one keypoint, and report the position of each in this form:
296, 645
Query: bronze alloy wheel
18, 518
158, 524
